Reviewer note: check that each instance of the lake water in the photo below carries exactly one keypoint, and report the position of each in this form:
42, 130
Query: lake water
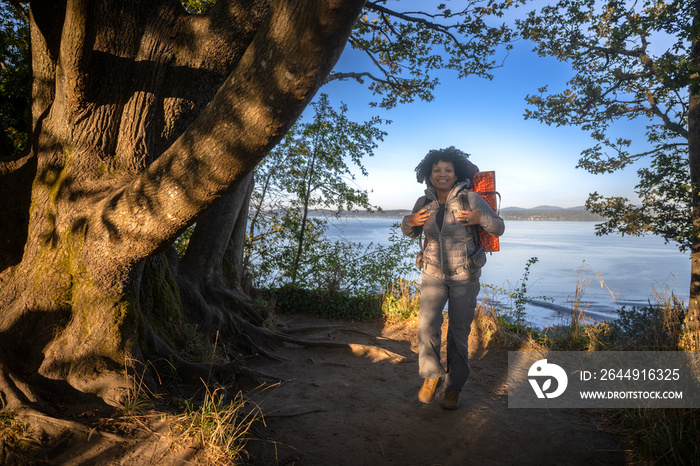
633, 270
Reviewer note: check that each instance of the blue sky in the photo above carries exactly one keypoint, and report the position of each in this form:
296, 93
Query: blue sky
534, 163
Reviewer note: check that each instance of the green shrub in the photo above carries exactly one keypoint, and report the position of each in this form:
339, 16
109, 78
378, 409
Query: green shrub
401, 300
337, 305
652, 327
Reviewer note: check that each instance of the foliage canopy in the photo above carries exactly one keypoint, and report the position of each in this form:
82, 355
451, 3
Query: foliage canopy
14, 79
631, 62
406, 49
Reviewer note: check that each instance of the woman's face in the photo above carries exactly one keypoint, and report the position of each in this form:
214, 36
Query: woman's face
443, 176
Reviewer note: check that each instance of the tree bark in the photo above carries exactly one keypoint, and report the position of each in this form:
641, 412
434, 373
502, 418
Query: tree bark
233, 269
692, 320
211, 293
132, 143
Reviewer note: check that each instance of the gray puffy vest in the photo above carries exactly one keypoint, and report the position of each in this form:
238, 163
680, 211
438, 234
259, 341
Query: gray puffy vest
451, 251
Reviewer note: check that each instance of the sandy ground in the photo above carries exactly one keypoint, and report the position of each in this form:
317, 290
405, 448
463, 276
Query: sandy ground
360, 407
356, 406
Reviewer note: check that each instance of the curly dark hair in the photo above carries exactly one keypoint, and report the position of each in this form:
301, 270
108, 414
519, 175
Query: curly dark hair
464, 169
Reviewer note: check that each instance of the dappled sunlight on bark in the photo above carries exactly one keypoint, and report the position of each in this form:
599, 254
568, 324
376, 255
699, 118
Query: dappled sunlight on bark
138, 132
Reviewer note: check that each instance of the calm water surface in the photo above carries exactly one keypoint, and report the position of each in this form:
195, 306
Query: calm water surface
633, 270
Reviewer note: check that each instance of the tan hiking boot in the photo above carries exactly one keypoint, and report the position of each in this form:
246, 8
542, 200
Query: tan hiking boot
427, 391
450, 400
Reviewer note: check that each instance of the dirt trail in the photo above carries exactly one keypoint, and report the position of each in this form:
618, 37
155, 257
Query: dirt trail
354, 408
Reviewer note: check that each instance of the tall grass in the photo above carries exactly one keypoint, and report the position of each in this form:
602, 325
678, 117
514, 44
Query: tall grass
19, 441
578, 313
220, 427
137, 398
659, 436
401, 300
658, 326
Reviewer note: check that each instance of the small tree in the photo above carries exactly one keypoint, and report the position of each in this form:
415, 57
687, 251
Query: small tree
309, 169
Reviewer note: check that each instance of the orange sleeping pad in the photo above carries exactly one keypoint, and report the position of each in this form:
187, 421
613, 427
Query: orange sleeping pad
484, 184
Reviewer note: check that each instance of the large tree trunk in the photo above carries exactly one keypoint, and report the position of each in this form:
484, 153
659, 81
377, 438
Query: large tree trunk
144, 118
692, 320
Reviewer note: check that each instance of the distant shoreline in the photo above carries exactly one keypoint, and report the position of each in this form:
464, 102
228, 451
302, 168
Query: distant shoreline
544, 213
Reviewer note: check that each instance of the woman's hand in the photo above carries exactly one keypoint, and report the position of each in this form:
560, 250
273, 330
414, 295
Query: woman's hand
419, 218
468, 217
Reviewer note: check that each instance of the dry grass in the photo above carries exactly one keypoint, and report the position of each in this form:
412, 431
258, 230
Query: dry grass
137, 398
219, 426
18, 441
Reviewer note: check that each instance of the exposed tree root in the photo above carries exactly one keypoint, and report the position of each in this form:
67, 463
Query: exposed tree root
12, 396
74, 426
336, 364
351, 330
252, 338
210, 304
300, 413
313, 328
193, 371
257, 336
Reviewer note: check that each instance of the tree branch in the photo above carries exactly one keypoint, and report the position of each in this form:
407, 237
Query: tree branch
644, 58
358, 77
288, 60
615, 51
76, 44
406, 17
226, 30
412, 19
672, 125
20, 9
392, 83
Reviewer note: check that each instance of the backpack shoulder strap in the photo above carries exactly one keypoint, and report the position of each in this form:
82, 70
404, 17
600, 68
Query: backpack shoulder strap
423, 242
464, 202
463, 197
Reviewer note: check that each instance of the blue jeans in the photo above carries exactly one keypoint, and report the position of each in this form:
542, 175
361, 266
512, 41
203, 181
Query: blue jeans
461, 295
